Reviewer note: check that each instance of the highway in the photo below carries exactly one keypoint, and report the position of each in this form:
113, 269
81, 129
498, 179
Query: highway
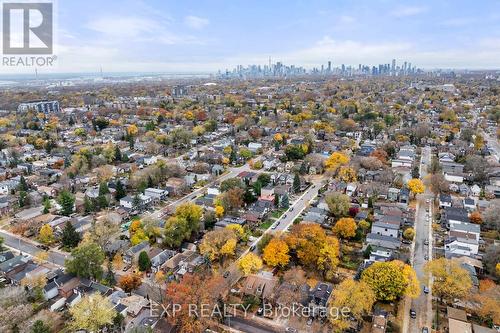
423, 232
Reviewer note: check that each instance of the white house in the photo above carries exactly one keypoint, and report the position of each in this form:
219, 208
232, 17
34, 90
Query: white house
156, 194
254, 146
385, 229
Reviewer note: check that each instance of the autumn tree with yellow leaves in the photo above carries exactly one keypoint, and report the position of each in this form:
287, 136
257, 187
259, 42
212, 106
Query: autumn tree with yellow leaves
416, 186
345, 227
358, 297
335, 161
250, 263
219, 244
450, 279
275, 253
391, 280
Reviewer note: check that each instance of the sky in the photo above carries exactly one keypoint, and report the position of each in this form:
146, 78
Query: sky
208, 35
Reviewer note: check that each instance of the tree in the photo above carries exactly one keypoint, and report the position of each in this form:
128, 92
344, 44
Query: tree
392, 279
87, 260
328, 258
102, 231
439, 184
130, 282
120, 190
1, 243
88, 205
23, 186
364, 225
46, 205
117, 261
276, 253
138, 237
144, 262
488, 302
250, 263
230, 183
416, 186
336, 160
347, 174
219, 211
233, 199
192, 213
450, 279
338, 203
491, 216
23, 198
132, 130
476, 217
345, 227
92, 313
296, 182
358, 297
67, 202
491, 258
46, 234
70, 238
409, 234
176, 231
40, 327
218, 244
193, 291
109, 279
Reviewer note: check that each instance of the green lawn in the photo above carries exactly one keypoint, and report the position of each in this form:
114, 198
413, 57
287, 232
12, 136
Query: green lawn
277, 213
266, 224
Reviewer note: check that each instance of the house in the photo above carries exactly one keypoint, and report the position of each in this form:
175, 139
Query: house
469, 204
386, 228
379, 324
158, 260
260, 285
458, 326
132, 254
255, 146
156, 194
387, 242
475, 190
319, 296
445, 200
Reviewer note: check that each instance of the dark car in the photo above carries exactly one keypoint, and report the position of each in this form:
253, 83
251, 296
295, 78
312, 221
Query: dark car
43, 247
252, 248
426, 290
226, 274
425, 330
413, 314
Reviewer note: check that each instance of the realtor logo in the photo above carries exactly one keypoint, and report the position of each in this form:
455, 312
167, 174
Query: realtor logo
27, 28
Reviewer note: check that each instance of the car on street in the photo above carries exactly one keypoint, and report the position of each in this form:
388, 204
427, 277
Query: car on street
291, 209
426, 257
260, 311
425, 330
413, 314
426, 242
426, 290
291, 330
226, 274
309, 321
252, 248
43, 247
428, 200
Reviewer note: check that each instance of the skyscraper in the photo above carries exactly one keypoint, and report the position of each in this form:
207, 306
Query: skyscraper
329, 67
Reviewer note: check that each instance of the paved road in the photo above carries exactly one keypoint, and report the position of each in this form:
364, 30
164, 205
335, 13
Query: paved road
26, 246
423, 228
492, 142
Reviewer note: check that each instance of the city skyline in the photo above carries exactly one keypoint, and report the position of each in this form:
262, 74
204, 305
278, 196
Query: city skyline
163, 36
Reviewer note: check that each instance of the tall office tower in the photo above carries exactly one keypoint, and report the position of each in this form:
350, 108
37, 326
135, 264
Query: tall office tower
404, 67
329, 66
322, 69
393, 69
409, 68
343, 68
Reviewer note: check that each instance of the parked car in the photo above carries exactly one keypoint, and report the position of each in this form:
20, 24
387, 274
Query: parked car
226, 274
260, 311
426, 257
426, 290
252, 248
413, 314
425, 330
426, 242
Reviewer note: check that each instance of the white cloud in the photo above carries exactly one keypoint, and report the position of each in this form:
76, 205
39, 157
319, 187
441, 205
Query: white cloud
195, 22
405, 11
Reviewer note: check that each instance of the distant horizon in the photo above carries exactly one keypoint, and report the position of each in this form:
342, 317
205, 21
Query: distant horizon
165, 36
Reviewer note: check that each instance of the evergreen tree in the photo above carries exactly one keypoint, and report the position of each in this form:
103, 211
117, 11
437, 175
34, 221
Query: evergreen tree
120, 191
136, 201
23, 186
23, 198
296, 183
67, 202
46, 205
88, 205
276, 200
70, 237
102, 202
40, 327
103, 188
118, 154
110, 275
144, 262
285, 202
